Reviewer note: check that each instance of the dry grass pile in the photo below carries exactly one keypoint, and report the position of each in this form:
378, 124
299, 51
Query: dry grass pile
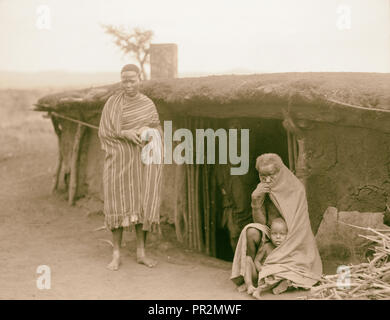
368, 280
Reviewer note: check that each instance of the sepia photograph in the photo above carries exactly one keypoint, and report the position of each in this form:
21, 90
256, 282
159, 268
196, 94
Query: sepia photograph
186, 150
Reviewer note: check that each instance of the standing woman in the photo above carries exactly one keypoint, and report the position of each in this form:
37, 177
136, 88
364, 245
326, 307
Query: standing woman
131, 187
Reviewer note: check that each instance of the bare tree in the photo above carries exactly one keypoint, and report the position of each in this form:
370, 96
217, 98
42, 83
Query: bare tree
135, 42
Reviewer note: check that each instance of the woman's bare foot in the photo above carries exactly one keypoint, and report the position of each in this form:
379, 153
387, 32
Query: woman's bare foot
257, 294
250, 290
116, 261
281, 287
242, 288
149, 262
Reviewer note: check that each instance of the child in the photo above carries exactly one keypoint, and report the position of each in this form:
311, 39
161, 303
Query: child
277, 236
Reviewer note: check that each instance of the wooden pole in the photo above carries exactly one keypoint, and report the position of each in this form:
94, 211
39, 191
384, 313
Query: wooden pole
290, 152
189, 197
192, 196
196, 196
199, 188
184, 197
177, 211
213, 208
193, 191
206, 205
184, 205
59, 158
74, 164
213, 215
196, 206
57, 170
208, 208
295, 150
189, 193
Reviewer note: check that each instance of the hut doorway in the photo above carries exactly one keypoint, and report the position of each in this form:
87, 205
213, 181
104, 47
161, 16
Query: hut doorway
204, 220
265, 136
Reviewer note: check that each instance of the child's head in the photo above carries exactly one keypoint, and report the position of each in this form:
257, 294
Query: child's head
278, 231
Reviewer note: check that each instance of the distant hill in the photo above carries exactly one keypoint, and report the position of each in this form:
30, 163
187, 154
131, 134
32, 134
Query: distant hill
77, 80
55, 79
226, 72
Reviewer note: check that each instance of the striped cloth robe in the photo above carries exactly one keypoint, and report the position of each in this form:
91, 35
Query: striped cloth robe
131, 187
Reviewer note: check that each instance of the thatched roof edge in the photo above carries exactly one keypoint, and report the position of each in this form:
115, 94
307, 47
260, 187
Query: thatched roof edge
368, 90
357, 99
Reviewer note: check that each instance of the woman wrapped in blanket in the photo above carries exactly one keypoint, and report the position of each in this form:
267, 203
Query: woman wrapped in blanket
279, 195
131, 179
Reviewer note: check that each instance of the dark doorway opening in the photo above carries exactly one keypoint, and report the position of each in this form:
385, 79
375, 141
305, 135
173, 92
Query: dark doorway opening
205, 220
265, 136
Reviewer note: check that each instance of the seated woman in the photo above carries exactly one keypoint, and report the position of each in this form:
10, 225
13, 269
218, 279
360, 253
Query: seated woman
280, 194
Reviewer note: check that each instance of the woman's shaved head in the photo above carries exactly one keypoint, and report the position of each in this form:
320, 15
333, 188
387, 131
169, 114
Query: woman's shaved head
268, 159
130, 67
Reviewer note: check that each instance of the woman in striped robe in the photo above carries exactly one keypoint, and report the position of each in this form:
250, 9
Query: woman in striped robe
131, 187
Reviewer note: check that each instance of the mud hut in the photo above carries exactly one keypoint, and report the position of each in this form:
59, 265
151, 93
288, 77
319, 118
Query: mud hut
338, 145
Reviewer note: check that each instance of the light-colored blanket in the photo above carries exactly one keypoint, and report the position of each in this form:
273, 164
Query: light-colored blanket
297, 258
239, 260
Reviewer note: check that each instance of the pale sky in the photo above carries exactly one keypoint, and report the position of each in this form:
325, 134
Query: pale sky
213, 36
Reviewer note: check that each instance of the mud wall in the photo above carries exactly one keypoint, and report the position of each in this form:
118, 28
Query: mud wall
347, 168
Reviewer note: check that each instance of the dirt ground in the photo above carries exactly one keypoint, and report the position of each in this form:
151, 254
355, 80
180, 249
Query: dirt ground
38, 228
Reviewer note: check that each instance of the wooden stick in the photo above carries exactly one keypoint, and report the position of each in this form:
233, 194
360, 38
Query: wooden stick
356, 106
368, 229
184, 205
295, 150
213, 213
75, 120
178, 230
366, 294
74, 164
206, 208
203, 207
57, 171
196, 207
190, 205
184, 197
193, 199
376, 259
59, 158
329, 286
199, 215
385, 268
290, 152
208, 205
194, 193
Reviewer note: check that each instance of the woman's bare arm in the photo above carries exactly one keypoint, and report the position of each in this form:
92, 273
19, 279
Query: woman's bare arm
258, 258
258, 211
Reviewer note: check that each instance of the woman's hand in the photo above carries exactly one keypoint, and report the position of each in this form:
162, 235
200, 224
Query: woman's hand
140, 130
145, 134
260, 190
132, 136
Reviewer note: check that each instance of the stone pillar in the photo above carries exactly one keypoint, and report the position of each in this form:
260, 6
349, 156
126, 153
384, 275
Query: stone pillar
163, 61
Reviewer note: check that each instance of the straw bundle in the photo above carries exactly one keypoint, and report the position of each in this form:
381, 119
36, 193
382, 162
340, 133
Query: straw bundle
370, 280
